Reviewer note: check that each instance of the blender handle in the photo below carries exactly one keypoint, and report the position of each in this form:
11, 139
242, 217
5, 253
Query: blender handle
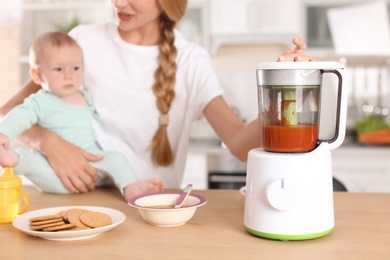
341, 112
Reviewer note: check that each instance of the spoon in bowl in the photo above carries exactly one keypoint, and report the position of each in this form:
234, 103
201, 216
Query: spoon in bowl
183, 196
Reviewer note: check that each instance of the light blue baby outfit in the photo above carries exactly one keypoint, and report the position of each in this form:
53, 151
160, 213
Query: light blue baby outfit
71, 122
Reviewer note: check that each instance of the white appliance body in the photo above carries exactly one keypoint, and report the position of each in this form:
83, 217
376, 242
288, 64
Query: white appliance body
289, 196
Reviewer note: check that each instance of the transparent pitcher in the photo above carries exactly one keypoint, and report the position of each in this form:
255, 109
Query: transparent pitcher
289, 107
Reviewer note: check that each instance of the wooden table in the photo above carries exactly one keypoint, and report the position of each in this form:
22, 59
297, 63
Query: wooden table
362, 231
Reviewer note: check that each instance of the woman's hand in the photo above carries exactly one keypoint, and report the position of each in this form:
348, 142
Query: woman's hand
298, 53
70, 163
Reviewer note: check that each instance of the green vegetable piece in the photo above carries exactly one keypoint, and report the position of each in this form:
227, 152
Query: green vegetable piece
370, 124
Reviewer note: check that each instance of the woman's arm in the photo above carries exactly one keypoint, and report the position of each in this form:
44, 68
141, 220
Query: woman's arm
237, 136
70, 163
29, 88
240, 138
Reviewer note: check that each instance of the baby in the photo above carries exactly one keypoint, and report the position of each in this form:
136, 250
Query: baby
65, 108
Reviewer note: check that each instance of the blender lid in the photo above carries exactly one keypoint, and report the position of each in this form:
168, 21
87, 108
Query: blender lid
299, 65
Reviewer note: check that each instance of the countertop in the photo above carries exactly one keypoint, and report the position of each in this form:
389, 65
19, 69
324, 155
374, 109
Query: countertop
362, 231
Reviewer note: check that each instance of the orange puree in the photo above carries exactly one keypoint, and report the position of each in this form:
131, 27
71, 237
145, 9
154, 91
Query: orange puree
299, 138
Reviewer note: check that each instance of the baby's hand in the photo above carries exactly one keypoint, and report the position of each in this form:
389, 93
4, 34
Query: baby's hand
8, 157
4, 141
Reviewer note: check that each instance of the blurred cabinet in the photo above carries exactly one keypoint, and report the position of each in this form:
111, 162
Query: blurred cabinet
195, 172
362, 168
254, 21
254, 16
9, 60
194, 24
314, 23
10, 42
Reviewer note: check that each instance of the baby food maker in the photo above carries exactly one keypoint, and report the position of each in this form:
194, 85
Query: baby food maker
289, 193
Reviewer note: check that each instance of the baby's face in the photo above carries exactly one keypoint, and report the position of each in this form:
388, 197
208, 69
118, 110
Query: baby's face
61, 70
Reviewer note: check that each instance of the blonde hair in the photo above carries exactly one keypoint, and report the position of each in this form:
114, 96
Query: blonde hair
50, 39
165, 78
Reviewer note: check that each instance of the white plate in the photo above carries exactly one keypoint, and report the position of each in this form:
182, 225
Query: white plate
22, 223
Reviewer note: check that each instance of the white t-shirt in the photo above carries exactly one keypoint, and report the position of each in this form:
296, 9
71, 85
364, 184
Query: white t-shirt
120, 77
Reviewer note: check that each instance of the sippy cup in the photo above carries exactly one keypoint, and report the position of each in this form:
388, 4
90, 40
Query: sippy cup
10, 196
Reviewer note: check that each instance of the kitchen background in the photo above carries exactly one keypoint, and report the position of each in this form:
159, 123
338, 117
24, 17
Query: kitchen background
238, 34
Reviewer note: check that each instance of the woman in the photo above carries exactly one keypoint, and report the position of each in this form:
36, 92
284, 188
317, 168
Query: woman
149, 84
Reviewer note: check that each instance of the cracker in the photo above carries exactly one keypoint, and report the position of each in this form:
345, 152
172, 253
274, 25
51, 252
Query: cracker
74, 229
58, 228
43, 222
43, 218
65, 214
39, 227
95, 219
75, 219
70, 219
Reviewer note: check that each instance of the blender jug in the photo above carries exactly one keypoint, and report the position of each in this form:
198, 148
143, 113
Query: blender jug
289, 107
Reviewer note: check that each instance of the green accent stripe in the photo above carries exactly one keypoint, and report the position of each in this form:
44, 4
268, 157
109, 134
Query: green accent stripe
288, 237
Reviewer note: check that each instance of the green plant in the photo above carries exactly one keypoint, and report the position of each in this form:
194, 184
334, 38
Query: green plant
371, 123
68, 26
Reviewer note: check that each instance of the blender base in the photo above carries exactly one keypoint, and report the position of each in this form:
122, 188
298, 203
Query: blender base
289, 196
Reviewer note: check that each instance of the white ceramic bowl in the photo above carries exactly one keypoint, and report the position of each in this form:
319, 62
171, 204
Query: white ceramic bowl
166, 217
